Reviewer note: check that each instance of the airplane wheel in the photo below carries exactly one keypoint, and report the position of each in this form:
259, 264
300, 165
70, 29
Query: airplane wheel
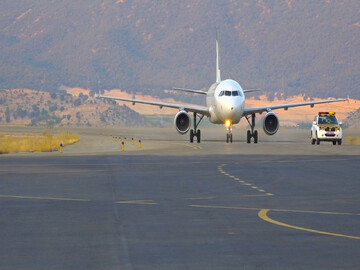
227, 138
313, 141
248, 136
339, 142
191, 135
317, 141
198, 134
255, 136
230, 138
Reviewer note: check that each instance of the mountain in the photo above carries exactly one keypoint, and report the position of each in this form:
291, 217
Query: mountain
285, 47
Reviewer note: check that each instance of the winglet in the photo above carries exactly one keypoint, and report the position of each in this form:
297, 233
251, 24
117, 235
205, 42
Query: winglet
218, 77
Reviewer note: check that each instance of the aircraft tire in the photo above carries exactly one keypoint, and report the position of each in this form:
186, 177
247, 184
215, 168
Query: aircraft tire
255, 136
191, 135
248, 136
198, 134
230, 135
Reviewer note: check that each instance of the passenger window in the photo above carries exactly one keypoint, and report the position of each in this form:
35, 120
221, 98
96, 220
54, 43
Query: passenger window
221, 93
228, 93
235, 93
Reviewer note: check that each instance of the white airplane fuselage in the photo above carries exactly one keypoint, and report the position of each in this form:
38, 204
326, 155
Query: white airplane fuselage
226, 102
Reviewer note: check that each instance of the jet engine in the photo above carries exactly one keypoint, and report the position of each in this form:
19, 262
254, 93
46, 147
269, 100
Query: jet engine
182, 122
270, 123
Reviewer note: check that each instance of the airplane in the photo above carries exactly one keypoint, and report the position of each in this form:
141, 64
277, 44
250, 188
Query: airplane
225, 104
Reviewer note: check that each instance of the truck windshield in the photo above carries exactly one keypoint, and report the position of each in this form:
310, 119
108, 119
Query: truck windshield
328, 119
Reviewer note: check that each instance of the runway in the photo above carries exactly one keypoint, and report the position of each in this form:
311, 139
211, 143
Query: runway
156, 209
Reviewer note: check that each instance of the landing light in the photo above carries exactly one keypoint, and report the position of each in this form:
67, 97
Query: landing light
227, 123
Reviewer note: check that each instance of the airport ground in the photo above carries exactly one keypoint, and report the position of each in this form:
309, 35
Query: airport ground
280, 204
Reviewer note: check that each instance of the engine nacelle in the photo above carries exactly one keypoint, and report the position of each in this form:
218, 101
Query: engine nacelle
182, 122
270, 123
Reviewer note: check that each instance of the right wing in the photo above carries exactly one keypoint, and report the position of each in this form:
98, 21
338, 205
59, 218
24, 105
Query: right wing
188, 108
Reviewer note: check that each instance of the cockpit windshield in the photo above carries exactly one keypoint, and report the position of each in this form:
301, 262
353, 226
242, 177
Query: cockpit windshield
327, 119
230, 93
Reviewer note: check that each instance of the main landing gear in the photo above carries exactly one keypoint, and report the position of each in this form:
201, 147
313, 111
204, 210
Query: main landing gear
196, 132
253, 133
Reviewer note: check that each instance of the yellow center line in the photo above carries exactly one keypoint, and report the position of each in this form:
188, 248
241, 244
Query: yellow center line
43, 198
263, 215
275, 209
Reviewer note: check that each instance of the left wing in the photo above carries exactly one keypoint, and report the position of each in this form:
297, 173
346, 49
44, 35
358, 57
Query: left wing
188, 108
250, 90
248, 111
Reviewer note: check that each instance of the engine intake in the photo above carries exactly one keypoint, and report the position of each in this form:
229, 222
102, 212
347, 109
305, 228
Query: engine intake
182, 122
270, 123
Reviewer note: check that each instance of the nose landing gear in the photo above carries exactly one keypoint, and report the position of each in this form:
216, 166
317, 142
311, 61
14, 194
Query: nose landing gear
229, 129
229, 137
253, 133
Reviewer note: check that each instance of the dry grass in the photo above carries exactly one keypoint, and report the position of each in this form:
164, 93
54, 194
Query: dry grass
11, 143
353, 140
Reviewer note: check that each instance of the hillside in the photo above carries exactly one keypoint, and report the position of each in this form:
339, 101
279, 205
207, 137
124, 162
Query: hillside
288, 46
39, 108
76, 107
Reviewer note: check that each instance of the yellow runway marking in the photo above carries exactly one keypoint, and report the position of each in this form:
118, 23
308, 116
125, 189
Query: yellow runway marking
190, 145
263, 215
137, 202
276, 209
43, 198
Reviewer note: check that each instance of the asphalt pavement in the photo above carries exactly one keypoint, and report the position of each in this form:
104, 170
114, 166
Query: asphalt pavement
186, 211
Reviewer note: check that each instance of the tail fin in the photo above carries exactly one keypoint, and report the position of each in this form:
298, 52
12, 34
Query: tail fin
218, 77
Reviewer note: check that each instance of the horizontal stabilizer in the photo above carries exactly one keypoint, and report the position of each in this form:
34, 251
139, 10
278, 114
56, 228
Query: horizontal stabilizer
191, 91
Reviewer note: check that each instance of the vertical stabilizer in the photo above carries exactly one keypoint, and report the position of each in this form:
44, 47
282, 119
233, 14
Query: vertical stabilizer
218, 77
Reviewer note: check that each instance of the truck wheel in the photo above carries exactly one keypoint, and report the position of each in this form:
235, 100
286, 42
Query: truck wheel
339, 142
